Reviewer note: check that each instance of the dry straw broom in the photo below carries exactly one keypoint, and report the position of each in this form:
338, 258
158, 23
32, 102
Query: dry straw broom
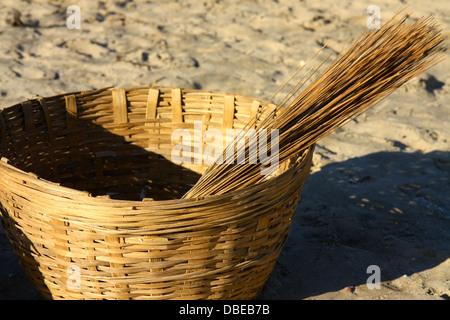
378, 63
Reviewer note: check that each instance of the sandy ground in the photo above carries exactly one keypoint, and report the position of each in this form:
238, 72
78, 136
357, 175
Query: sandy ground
379, 191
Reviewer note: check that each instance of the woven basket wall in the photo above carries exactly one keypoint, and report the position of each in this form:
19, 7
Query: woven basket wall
91, 201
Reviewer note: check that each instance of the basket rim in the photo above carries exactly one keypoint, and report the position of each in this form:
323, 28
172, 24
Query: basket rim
32, 177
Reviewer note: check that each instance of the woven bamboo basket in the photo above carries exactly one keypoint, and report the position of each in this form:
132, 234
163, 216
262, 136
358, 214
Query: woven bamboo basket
91, 201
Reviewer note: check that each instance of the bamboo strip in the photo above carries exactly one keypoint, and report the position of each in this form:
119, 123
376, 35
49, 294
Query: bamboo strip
27, 108
72, 111
177, 112
228, 112
120, 106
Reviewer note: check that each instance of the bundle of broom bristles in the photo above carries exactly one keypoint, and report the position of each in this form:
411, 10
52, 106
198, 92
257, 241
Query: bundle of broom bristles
378, 63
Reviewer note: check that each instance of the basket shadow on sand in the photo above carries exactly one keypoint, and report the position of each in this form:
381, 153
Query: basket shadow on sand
389, 209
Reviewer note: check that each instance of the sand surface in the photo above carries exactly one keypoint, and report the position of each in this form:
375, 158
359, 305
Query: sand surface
379, 191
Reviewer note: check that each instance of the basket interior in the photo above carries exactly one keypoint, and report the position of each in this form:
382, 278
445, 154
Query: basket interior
91, 158
116, 143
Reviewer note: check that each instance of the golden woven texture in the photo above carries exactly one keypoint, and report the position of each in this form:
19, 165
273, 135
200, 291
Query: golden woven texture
91, 201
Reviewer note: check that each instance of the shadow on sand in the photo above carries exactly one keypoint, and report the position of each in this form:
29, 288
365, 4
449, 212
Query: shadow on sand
389, 209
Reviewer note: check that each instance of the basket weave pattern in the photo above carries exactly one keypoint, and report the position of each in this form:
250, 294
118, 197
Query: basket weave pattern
87, 185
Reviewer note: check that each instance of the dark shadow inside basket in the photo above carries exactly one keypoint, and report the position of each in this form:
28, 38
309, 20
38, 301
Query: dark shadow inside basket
90, 157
